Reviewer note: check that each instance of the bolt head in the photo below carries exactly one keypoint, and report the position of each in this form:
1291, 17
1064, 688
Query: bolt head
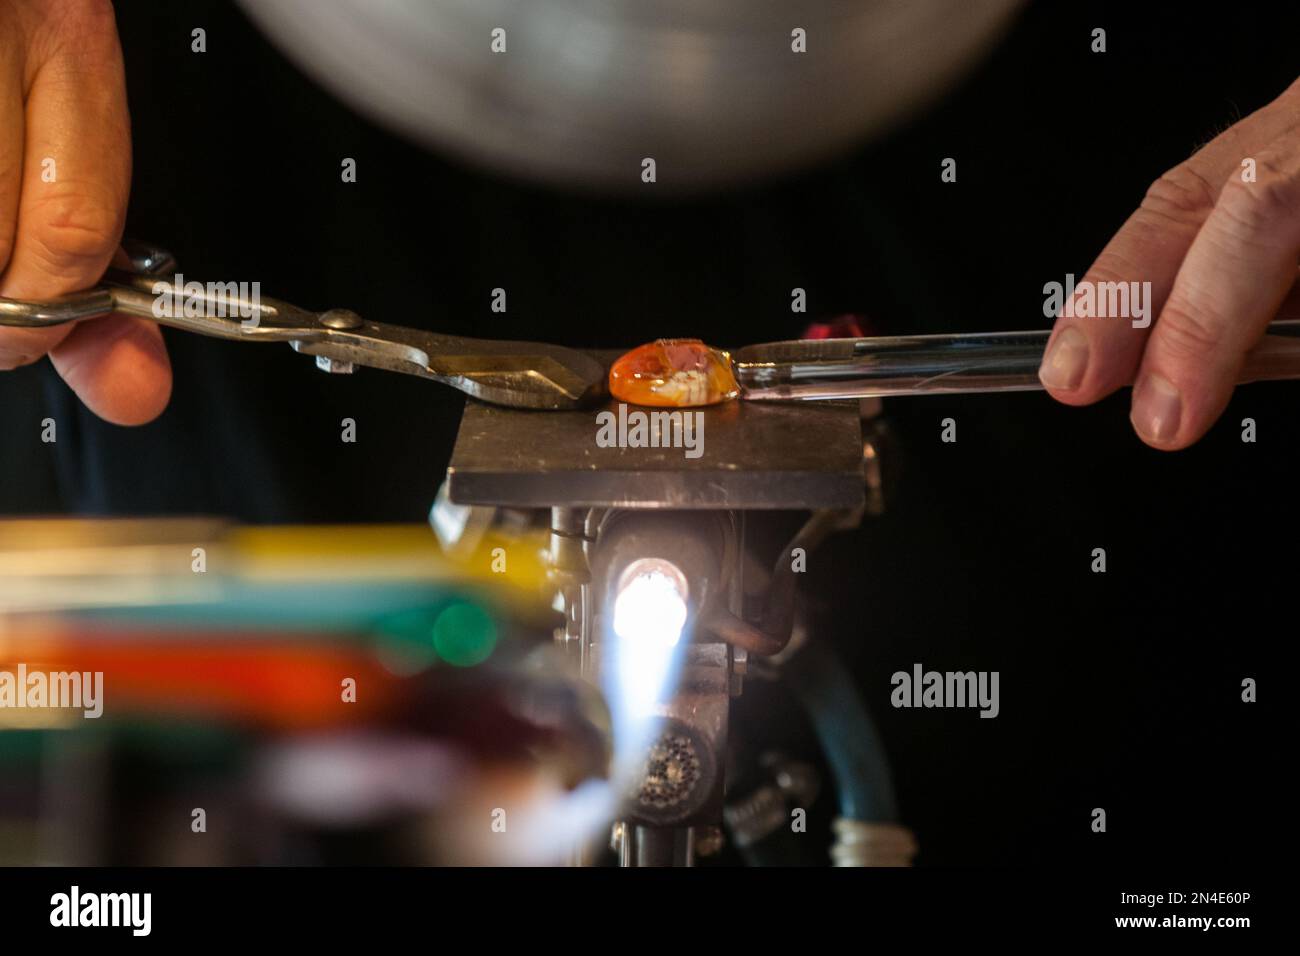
341, 319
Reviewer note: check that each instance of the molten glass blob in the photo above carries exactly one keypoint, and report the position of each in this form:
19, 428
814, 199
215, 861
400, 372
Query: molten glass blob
673, 373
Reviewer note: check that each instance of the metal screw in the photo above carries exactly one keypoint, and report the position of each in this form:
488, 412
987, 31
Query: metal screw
341, 319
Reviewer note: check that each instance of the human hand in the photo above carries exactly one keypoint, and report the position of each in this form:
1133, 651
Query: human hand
65, 176
1218, 238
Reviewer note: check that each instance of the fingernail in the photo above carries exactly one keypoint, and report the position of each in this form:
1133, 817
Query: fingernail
1157, 409
1066, 361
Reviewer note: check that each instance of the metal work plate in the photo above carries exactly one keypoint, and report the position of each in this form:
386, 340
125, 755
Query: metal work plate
756, 455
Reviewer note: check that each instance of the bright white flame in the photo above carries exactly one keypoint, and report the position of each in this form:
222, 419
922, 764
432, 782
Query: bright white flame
650, 611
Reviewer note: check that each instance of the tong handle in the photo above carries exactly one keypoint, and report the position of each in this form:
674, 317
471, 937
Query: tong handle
143, 283
134, 285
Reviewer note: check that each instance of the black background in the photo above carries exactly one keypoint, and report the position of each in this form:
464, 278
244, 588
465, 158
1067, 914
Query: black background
1119, 690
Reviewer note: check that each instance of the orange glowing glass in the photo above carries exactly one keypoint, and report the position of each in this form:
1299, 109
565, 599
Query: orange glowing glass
673, 373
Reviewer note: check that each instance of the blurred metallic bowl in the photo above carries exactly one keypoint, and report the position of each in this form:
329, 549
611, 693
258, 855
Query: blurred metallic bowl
586, 89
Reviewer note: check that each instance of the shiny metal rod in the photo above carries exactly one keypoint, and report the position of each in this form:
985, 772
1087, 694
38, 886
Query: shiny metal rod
824, 369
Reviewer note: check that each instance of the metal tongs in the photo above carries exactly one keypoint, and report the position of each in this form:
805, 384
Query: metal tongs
535, 375
517, 374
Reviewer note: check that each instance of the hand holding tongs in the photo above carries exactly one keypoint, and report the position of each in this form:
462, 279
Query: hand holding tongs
518, 374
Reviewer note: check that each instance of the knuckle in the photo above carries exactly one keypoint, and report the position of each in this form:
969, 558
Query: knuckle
1273, 196
82, 19
69, 230
1113, 265
1181, 194
1187, 333
82, 31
